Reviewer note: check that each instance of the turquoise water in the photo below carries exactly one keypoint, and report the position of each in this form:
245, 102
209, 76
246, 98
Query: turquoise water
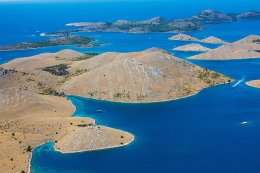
199, 134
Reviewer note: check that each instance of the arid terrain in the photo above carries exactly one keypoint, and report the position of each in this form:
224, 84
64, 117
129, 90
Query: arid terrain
152, 75
28, 120
254, 83
248, 47
33, 109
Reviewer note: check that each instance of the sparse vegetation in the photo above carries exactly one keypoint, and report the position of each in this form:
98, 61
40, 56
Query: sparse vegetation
80, 71
122, 95
29, 149
50, 91
85, 56
140, 97
29, 80
58, 70
257, 41
84, 125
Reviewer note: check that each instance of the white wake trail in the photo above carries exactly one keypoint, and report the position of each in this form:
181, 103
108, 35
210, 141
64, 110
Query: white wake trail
238, 82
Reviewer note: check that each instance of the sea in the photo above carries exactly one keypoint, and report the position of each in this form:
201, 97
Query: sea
198, 134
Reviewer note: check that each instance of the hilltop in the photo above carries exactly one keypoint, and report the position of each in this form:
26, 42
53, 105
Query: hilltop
159, 24
152, 75
248, 47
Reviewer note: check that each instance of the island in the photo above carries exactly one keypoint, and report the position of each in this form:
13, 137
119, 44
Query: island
192, 47
135, 77
82, 41
246, 48
159, 24
254, 83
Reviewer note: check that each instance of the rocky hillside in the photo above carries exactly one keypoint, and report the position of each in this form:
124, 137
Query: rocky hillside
148, 76
59, 41
159, 24
248, 47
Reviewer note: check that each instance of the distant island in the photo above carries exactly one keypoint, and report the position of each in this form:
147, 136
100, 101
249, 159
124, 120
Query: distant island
82, 41
160, 24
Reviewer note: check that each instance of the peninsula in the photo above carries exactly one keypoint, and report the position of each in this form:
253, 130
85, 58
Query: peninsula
160, 24
28, 119
82, 41
246, 48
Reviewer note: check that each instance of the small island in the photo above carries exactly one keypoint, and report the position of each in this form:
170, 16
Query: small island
82, 41
254, 83
159, 24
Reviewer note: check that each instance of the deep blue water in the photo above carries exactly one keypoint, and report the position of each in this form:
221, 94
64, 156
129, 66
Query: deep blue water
199, 134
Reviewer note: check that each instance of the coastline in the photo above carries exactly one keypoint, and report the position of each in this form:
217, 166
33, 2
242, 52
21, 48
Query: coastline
78, 151
151, 102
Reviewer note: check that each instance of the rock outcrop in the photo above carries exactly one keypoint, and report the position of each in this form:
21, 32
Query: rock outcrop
246, 48
192, 47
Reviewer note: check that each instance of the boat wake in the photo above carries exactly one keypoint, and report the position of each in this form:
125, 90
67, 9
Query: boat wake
238, 82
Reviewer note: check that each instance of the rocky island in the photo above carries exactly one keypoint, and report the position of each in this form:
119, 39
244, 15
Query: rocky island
245, 48
82, 41
159, 24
